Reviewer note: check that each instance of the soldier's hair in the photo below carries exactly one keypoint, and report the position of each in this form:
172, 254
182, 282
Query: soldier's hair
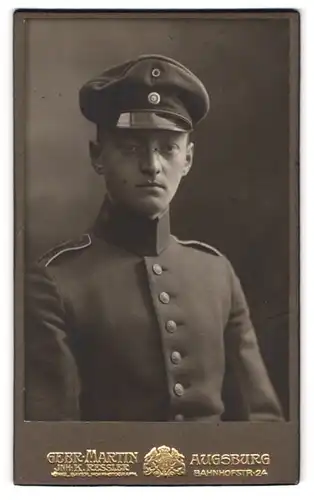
101, 132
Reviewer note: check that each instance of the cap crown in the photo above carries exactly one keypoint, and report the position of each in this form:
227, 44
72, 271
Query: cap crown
151, 84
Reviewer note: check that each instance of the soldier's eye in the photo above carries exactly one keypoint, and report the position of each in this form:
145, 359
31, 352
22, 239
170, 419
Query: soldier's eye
130, 149
169, 149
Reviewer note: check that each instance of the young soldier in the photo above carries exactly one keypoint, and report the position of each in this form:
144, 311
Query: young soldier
127, 322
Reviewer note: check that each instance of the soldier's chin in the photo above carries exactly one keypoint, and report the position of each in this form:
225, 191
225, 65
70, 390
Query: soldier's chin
150, 208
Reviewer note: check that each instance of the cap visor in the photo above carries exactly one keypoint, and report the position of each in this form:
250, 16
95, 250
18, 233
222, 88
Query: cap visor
153, 121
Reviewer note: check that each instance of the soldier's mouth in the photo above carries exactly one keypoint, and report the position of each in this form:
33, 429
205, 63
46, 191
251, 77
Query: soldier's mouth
150, 184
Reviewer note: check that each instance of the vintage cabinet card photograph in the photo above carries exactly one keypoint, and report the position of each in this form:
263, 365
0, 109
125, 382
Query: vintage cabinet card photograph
156, 247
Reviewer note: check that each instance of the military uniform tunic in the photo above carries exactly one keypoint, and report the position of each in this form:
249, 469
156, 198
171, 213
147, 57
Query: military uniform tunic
129, 323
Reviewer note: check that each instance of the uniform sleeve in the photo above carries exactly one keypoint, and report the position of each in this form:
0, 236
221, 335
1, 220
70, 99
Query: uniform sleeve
51, 377
245, 368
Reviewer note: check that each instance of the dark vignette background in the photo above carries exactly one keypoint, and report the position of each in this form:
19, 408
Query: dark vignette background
236, 196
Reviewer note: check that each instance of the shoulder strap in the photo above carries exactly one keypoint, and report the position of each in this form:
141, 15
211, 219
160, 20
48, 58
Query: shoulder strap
67, 246
199, 245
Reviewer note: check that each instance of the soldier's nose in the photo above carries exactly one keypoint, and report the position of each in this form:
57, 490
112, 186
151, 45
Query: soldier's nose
150, 164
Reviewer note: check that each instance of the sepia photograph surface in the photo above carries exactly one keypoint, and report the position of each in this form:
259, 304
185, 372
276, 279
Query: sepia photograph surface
159, 251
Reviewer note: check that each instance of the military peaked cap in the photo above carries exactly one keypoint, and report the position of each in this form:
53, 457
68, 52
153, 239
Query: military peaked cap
150, 92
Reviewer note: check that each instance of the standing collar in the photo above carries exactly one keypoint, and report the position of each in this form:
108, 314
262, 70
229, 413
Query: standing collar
132, 231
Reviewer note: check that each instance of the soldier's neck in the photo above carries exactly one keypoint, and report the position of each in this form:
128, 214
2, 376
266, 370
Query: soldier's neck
133, 231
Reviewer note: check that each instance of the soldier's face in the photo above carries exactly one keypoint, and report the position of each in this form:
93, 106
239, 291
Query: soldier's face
142, 168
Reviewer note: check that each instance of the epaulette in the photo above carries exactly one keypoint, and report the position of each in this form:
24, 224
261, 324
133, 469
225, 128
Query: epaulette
199, 245
67, 246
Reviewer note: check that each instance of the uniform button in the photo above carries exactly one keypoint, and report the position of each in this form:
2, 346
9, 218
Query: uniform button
176, 357
157, 269
164, 297
178, 389
179, 417
171, 326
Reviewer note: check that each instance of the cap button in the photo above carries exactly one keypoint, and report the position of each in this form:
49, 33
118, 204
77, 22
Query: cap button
156, 72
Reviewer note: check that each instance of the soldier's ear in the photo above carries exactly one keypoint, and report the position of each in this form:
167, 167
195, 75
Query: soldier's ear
188, 158
95, 156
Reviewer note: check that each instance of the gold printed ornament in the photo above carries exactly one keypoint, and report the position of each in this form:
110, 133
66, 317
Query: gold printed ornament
164, 462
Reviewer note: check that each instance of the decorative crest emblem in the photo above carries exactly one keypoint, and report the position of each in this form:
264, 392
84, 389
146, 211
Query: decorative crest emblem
164, 462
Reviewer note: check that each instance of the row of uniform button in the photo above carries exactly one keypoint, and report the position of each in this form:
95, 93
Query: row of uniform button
164, 298
171, 327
